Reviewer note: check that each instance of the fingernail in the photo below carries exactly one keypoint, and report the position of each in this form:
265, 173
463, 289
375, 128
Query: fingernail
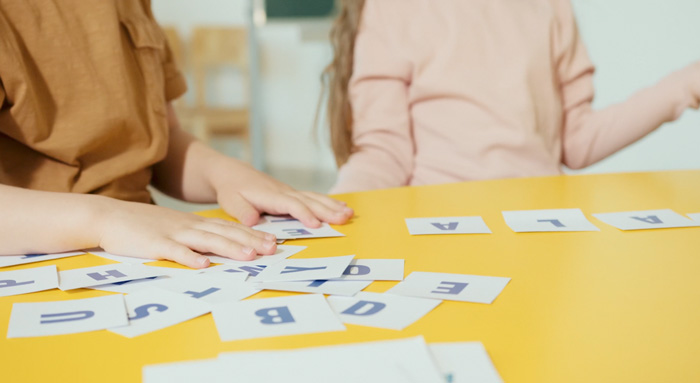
204, 261
268, 244
248, 250
348, 210
270, 238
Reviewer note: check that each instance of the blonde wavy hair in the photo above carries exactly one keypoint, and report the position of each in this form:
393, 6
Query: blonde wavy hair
336, 78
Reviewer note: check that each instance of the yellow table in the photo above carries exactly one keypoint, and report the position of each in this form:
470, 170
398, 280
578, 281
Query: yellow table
608, 306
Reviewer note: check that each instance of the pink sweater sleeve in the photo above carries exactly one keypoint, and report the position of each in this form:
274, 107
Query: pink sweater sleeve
588, 135
383, 144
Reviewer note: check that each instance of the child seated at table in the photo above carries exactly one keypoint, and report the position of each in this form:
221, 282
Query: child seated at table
426, 92
86, 125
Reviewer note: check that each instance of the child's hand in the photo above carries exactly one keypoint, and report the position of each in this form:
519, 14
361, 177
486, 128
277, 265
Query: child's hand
154, 232
245, 193
696, 82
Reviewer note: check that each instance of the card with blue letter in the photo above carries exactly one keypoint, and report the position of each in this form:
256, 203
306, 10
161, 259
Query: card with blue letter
305, 269
153, 309
390, 311
464, 362
26, 281
242, 268
13, 260
105, 274
525, 221
128, 287
452, 287
66, 317
345, 288
261, 318
134, 285
213, 288
646, 219
285, 227
373, 270
447, 225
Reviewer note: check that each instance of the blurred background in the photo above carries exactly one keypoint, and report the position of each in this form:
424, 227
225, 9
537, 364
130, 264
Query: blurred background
253, 68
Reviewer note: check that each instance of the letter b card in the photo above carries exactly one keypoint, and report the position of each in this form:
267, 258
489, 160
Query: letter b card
259, 318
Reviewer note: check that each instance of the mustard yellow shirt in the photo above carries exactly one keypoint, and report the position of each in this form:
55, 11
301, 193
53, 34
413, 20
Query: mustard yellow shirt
84, 86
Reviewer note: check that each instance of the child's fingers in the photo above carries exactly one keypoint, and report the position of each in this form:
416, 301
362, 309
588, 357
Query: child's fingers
235, 225
230, 224
329, 210
326, 200
236, 205
323, 212
263, 243
208, 242
183, 255
294, 206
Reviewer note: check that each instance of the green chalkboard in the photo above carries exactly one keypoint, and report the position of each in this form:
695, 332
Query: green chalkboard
277, 9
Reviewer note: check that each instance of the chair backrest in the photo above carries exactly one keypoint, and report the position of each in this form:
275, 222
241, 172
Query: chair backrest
216, 47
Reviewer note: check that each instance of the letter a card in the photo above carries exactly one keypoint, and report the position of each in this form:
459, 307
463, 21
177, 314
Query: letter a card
646, 219
447, 225
453, 287
261, 318
390, 311
66, 317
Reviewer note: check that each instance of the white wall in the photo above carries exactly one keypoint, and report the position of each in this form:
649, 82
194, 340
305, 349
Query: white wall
632, 42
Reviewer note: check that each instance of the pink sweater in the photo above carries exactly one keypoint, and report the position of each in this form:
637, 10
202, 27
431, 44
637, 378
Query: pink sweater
455, 90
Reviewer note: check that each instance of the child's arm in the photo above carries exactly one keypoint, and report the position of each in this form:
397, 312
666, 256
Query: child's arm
588, 135
47, 222
383, 147
194, 172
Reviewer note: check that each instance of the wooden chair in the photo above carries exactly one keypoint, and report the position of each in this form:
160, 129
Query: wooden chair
212, 49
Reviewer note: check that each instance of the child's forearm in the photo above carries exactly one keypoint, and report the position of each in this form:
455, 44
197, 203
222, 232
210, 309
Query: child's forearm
46, 222
189, 169
590, 135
